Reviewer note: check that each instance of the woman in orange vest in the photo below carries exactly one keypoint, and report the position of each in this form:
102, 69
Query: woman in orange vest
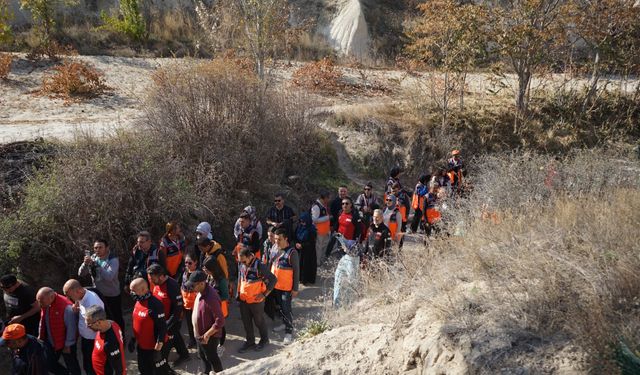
393, 218
172, 245
417, 201
189, 296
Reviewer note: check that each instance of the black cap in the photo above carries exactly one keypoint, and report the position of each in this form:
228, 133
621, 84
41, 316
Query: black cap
196, 277
7, 281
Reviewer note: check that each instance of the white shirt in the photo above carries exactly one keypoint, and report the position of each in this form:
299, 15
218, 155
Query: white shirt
89, 299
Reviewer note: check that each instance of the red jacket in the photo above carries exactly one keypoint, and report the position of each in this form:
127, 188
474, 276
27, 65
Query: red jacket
56, 322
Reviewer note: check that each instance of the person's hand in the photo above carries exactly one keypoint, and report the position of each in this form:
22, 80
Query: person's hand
158, 346
260, 297
294, 293
205, 338
131, 346
126, 289
298, 246
66, 350
76, 307
15, 319
88, 260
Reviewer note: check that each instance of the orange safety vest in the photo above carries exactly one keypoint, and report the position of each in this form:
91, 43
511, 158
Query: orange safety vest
283, 269
417, 201
174, 254
393, 224
244, 239
224, 305
323, 228
188, 297
433, 215
251, 284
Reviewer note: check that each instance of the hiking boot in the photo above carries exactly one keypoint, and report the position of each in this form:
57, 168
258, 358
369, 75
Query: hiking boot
279, 328
180, 360
220, 351
288, 339
246, 346
261, 345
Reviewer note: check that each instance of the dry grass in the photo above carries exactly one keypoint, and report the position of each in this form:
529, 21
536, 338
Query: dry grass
5, 65
558, 269
74, 81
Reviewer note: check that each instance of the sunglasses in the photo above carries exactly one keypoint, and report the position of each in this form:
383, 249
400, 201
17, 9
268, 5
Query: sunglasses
346, 203
389, 200
277, 200
367, 188
188, 262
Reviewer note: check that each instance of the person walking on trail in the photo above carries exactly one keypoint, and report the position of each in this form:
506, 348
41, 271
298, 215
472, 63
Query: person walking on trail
247, 237
393, 218
305, 246
431, 211
394, 178
349, 223
208, 321
322, 222
29, 355
269, 247
58, 331
366, 203
281, 215
108, 352
143, 254
173, 246
286, 269
336, 204
208, 247
402, 201
20, 303
456, 170
83, 299
379, 237
167, 291
103, 266
255, 283
215, 266
149, 330
188, 296
202, 230
251, 211
417, 202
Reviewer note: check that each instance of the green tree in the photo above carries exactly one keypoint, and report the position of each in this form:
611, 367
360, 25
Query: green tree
130, 23
43, 12
5, 17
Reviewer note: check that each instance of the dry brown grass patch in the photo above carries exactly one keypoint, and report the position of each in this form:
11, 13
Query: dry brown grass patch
74, 80
5, 65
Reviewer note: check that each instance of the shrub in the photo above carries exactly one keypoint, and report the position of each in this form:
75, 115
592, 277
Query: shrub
43, 12
130, 23
5, 28
74, 80
5, 65
314, 328
319, 75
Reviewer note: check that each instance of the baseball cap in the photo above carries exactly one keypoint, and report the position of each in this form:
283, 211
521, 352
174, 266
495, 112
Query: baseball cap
12, 332
195, 277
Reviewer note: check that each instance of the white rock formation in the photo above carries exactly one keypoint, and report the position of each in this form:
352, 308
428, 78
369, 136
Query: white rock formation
348, 32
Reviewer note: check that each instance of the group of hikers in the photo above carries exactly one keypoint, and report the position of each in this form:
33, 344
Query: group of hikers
172, 282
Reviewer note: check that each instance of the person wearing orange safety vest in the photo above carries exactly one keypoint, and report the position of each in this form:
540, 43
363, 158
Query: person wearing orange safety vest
430, 209
173, 246
366, 203
455, 169
322, 220
286, 268
402, 201
189, 296
394, 178
392, 218
255, 282
248, 236
215, 266
417, 201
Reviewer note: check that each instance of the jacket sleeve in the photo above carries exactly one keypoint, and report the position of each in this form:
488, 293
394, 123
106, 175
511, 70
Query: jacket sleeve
295, 262
156, 312
176, 304
110, 270
84, 270
268, 276
114, 355
71, 325
215, 307
129, 274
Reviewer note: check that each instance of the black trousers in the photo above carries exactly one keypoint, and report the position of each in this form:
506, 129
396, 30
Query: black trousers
70, 360
176, 341
187, 318
209, 355
254, 313
283, 299
86, 346
151, 362
113, 306
415, 223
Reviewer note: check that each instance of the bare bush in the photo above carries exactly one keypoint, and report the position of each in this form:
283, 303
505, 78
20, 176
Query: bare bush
320, 75
74, 81
5, 65
243, 138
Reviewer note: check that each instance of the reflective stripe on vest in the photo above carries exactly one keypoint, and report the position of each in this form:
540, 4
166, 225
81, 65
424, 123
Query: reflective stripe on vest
251, 284
283, 269
393, 223
160, 292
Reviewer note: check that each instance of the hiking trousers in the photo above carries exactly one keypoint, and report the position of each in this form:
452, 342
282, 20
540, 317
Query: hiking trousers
152, 362
283, 299
209, 355
253, 313
321, 247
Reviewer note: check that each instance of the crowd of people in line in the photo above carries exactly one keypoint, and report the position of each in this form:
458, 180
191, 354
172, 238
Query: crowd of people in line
172, 282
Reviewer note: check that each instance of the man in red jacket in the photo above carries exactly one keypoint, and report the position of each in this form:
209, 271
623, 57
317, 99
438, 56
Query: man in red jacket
58, 330
108, 352
149, 330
